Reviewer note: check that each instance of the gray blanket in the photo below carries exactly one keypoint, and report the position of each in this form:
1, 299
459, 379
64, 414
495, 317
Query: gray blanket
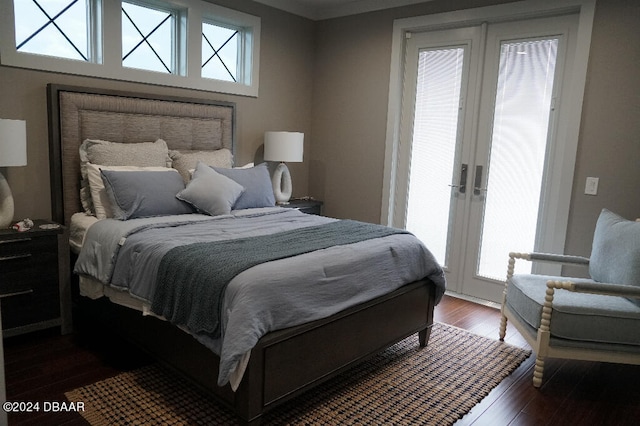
192, 279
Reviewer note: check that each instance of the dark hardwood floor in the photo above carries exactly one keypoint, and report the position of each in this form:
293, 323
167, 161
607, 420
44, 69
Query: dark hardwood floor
42, 366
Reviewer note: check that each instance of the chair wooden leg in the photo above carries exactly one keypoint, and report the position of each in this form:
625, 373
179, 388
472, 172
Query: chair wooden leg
503, 320
538, 372
503, 327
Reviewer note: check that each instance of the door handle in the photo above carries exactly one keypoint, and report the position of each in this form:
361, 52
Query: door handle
462, 185
477, 185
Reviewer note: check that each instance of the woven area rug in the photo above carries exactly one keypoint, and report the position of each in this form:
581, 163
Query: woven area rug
402, 385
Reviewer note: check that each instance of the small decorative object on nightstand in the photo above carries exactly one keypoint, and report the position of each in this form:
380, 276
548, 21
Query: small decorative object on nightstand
34, 281
283, 146
305, 205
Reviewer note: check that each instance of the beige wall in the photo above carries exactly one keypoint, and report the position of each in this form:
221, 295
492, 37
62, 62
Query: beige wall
350, 111
330, 80
284, 103
609, 144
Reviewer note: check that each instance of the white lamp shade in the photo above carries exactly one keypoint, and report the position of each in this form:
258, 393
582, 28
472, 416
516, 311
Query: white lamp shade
283, 146
13, 143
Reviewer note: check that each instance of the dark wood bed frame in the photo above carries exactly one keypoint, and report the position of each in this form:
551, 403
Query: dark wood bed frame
284, 363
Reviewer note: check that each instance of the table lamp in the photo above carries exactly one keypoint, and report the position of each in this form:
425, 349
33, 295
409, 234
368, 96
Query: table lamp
13, 152
283, 146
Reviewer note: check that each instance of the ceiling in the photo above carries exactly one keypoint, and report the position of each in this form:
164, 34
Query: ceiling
325, 9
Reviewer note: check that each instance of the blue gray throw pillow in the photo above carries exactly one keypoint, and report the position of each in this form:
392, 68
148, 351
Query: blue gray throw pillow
210, 192
256, 181
135, 194
615, 255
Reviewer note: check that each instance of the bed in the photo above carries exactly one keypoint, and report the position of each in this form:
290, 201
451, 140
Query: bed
365, 303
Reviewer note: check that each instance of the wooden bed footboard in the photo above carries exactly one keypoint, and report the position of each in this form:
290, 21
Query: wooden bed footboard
274, 373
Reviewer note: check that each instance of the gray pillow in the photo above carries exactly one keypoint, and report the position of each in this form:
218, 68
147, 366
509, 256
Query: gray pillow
106, 153
135, 194
210, 192
256, 181
615, 255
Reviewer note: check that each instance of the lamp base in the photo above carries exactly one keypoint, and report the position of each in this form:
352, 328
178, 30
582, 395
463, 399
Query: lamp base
6, 203
281, 181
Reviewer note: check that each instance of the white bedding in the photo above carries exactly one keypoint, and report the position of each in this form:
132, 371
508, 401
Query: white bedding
80, 224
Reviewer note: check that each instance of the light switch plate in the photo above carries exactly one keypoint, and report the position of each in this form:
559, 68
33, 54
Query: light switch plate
591, 187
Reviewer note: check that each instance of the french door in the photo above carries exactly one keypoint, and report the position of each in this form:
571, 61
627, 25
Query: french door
480, 114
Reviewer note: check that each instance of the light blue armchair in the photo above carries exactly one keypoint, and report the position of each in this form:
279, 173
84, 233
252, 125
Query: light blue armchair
595, 319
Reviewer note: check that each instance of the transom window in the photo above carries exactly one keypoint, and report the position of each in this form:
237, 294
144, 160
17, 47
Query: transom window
182, 43
52, 27
148, 38
220, 52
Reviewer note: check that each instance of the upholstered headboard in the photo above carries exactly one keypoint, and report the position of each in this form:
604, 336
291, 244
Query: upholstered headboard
77, 113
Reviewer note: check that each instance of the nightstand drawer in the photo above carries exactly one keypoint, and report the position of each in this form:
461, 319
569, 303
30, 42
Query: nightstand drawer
29, 290
21, 246
32, 305
23, 262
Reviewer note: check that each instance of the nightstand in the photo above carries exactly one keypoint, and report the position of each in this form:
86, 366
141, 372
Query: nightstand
305, 206
34, 284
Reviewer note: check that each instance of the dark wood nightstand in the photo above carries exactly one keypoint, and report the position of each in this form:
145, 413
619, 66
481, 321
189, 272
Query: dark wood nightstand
305, 206
34, 284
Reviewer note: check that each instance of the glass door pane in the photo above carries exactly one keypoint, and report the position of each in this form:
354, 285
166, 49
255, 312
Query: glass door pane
434, 147
517, 157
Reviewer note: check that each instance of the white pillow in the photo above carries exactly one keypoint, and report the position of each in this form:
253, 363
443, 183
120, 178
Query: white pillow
99, 197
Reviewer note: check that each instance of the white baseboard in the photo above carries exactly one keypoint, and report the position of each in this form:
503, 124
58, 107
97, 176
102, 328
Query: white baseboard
477, 300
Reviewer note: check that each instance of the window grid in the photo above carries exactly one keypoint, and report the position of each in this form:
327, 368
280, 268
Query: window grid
235, 34
52, 21
170, 18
